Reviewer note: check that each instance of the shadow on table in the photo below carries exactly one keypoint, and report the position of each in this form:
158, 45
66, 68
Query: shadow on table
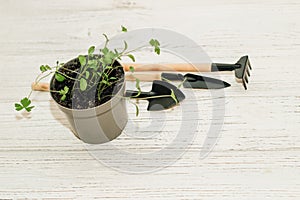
58, 115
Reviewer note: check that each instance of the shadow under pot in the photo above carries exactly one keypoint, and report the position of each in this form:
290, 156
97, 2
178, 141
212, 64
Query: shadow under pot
93, 120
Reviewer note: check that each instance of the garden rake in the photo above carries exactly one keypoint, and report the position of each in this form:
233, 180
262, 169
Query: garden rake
241, 68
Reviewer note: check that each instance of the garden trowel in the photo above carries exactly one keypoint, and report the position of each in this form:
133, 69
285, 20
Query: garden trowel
188, 80
195, 81
163, 95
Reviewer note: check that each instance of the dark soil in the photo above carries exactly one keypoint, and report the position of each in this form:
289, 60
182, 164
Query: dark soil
77, 99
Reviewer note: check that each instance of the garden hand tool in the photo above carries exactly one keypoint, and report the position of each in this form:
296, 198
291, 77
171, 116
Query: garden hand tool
189, 80
241, 68
195, 81
160, 95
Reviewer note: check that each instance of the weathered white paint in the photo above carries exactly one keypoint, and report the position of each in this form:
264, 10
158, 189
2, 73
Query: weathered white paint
257, 156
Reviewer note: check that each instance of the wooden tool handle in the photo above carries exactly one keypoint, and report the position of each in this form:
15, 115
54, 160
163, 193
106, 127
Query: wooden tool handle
129, 77
40, 87
179, 67
147, 77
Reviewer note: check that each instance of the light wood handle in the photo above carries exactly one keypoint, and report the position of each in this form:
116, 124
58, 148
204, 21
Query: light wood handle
40, 87
179, 67
129, 77
147, 77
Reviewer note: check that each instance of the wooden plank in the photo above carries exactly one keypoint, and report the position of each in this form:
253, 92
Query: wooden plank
257, 154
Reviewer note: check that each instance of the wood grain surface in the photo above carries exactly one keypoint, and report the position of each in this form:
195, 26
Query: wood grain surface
257, 155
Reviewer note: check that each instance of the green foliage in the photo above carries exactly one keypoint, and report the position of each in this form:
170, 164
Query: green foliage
83, 84
45, 68
96, 70
155, 43
24, 104
105, 50
87, 74
59, 77
124, 29
125, 46
82, 60
91, 50
131, 57
64, 93
131, 69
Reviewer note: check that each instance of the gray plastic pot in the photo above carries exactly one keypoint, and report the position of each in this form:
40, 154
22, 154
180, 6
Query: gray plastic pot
99, 124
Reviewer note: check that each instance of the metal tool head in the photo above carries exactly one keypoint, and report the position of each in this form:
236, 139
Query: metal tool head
159, 97
203, 82
162, 90
243, 72
195, 81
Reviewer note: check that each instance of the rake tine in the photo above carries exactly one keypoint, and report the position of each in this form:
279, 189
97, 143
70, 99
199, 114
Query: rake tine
244, 84
249, 65
246, 79
248, 72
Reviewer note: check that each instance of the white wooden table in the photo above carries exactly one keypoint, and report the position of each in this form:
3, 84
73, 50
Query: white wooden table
258, 153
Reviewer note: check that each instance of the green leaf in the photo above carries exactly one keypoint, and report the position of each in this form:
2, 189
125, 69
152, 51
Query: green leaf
63, 97
91, 50
131, 57
83, 84
18, 107
116, 51
25, 104
106, 82
154, 42
174, 96
124, 29
125, 46
157, 50
59, 77
105, 50
87, 74
82, 60
131, 69
112, 78
107, 60
45, 68
108, 57
64, 91
28, 109
42, 68
111, 54
93, 64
